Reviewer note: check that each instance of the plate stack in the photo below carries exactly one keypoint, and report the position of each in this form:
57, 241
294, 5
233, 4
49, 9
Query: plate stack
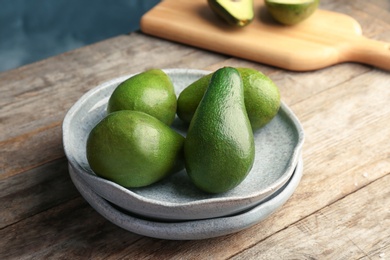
174, 208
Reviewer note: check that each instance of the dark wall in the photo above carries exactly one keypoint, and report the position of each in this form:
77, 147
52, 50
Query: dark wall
32, 30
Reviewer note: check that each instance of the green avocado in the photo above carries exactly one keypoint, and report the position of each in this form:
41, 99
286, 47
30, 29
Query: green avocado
239, 13
134, 149
291, 12
219, 147
151, 92
262, 97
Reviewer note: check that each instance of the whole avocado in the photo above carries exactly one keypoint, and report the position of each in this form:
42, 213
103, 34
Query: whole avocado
151, 92
219, 147
134, 149
262, 97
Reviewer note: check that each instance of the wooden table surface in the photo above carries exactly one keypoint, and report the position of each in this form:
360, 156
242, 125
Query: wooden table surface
340, 210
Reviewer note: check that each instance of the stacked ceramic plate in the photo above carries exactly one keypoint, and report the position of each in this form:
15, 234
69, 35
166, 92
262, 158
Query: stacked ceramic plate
174, 208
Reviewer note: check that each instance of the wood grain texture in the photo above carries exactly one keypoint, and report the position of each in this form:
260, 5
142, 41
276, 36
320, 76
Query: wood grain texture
321, 185
35, 97
339, 210
46, 186
325, 38
64, 232
354, 227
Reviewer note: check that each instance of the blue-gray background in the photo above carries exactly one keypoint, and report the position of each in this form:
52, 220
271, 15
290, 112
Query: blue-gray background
32, 30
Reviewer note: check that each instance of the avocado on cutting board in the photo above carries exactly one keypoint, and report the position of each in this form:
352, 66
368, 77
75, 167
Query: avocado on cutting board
325, 38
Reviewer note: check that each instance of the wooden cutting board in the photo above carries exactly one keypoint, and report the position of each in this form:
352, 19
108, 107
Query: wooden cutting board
324, 39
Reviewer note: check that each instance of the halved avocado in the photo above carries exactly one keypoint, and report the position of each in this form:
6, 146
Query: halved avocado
235, 12
290, 12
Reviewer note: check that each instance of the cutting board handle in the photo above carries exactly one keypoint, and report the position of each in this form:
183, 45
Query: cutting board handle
368, 51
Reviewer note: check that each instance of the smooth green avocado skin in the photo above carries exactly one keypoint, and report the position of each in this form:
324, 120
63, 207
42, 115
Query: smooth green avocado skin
261, 97
236, 13
134, 149
291, 14
219, 148
151, 92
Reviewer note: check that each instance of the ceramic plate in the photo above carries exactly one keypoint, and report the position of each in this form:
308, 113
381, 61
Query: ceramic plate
190, 229
278, 145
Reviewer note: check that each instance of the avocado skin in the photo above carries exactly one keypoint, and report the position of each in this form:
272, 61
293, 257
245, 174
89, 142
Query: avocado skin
297, 12
261, 96
151, 92
218, 7
219, 148
134, 149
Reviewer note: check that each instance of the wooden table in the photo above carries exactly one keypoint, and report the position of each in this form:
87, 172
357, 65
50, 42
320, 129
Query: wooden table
340, 210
